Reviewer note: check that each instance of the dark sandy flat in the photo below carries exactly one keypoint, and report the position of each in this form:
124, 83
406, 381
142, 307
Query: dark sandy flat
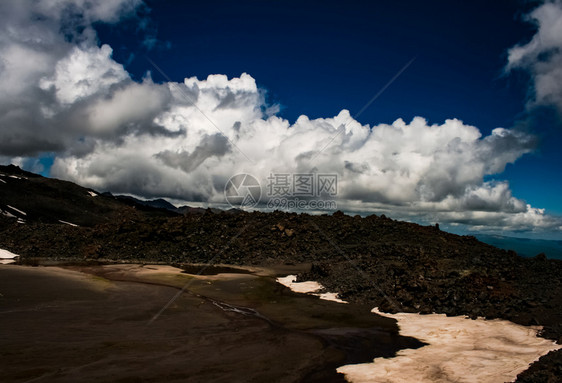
61, 325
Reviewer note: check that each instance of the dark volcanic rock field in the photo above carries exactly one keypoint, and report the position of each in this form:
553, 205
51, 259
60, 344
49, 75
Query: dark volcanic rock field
376, 261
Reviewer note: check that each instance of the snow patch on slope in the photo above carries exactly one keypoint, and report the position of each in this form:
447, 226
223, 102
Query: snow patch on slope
308, 287
7, 257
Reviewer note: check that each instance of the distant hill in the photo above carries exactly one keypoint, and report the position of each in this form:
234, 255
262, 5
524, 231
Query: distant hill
525, 247
163, 204
30, 198
155, 203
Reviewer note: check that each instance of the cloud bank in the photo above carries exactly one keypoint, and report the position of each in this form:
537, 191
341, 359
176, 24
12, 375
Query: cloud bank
65, 94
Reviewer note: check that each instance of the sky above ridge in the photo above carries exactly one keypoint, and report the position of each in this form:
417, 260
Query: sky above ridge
439, 111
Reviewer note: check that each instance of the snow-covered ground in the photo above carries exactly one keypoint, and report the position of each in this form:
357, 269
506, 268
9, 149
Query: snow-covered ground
7, 214
459, 349
18, 210
68, 223
6, 256
308, 287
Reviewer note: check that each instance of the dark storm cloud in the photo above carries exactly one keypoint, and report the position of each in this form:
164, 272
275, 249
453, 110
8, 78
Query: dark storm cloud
216, 145
56, 80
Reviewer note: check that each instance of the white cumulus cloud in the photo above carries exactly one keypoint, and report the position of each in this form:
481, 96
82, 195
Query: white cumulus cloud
436, 171
542, 55
84, 72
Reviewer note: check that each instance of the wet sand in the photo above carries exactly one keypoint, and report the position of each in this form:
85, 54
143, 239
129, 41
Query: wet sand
95, 323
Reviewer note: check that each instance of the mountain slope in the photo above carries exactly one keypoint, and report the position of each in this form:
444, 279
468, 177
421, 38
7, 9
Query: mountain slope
33, 198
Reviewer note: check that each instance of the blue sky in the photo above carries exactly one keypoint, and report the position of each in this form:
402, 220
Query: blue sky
319, 57
313, 59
